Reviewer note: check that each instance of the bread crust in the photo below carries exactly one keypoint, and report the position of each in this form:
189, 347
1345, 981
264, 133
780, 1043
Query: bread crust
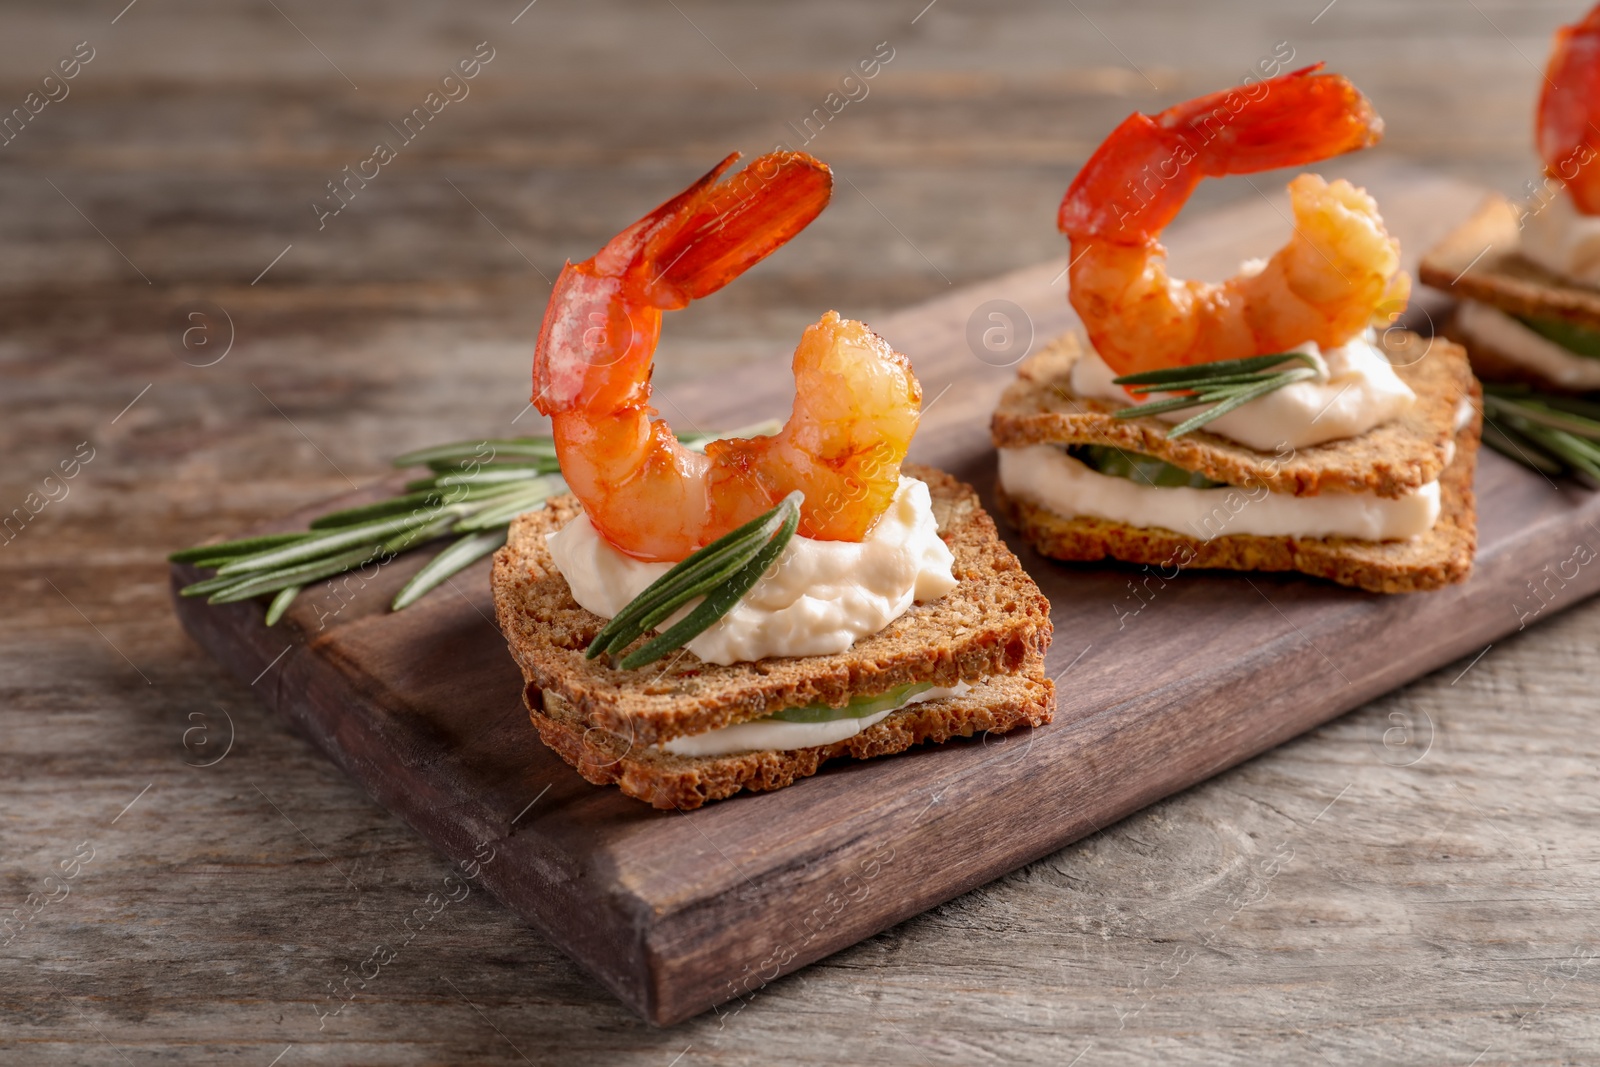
993, 706
993, 623
1391, 460
1480, 260
1438, 558
1502, 278
1493, 365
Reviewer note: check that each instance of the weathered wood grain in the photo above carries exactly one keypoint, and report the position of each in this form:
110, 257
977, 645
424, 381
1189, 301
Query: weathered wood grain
1163, 687
1438, 911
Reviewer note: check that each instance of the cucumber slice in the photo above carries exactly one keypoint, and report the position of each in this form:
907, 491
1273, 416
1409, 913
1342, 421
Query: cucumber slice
1138, 467
859, 708
1579, 340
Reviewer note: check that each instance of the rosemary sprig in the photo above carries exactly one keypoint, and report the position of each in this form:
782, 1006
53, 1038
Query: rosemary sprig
1228, 384
721, 573
474, 489
464, 552
1551, 433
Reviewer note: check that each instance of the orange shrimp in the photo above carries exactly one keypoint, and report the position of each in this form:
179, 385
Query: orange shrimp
856, 404
1326, 285
1569, 112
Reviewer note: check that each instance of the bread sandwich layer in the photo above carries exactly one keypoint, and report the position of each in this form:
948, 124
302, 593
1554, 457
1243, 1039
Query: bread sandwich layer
978, 650
1389, 511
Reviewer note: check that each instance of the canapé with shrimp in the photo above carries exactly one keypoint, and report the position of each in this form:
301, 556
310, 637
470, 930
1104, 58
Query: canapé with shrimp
691, 622
1527, 272
1273, 421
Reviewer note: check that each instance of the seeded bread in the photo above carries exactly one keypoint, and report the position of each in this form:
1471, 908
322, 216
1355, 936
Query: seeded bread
1479, 261
1391, 460
1492, 364
991, 708
1438, 558
995, 622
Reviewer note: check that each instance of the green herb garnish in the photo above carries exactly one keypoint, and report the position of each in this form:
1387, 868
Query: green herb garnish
1227, 384
475, 489
1579, 340
721, 572
1138, 467
1551, 433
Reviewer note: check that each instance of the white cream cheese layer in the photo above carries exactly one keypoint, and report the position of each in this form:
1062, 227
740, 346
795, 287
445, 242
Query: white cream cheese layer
784, 736
1046, 476
1489, 326
1356, 390
819, 598
1563, 240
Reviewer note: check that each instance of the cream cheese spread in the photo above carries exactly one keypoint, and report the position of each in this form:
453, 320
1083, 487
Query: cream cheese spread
1564, 241
817, 599
1489, 326
784, 736
1046, 476
1355, 390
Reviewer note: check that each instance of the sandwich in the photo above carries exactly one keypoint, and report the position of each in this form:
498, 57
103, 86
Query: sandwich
693, 624
1257, 424
1527, 273
684, 731
1389, 511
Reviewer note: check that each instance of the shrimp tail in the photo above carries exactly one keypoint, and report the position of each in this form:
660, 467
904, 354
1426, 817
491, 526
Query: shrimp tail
609, 307
1569, 111
712, 232
1139, 179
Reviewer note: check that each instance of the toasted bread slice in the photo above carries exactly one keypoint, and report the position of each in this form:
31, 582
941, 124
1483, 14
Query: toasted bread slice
1438, 558
993, 706
1039, 408
1391, 460
1479, 260
995, 622
1492, 363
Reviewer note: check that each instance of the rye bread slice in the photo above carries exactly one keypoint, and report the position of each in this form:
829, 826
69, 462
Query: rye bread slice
1492, 364
1438, 558
1039, 407
1480, 260
993, 706
992, 623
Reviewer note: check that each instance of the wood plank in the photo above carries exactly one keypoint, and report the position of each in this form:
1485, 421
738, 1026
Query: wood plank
1438, 912
677, 913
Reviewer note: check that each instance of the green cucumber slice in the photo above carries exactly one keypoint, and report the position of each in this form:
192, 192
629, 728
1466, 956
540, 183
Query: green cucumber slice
1579, 340
1138, 467
859, 708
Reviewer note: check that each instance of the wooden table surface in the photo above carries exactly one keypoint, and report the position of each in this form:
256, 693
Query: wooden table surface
1412, 883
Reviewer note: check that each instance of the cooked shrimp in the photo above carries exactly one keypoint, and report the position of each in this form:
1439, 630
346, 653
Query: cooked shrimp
1569, 112
856, 403
1326, 285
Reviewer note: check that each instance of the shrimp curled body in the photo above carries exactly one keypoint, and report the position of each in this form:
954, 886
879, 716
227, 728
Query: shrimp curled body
856, 405
1336, 275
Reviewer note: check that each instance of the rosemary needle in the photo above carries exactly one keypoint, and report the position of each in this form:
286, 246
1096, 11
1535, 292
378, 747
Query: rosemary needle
720, 573
718, 566
1227, 384
1549, 432
474, 489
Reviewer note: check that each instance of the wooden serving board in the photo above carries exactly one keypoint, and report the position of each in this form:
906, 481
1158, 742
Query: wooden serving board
1159, 688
